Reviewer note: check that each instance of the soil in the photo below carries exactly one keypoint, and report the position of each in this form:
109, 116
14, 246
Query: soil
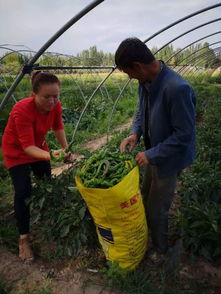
60, 278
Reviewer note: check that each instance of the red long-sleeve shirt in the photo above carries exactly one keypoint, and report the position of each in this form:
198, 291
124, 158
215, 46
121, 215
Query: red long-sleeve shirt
27, 127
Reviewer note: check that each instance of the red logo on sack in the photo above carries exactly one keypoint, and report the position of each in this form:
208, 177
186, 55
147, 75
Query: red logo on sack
130, 202
134, 199
124, 204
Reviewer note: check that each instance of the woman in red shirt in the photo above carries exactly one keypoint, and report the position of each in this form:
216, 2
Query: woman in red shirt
24, 147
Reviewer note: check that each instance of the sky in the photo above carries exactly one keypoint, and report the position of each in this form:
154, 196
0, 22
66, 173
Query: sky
33, 22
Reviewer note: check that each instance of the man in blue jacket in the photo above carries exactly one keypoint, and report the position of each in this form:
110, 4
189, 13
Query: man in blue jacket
166, 120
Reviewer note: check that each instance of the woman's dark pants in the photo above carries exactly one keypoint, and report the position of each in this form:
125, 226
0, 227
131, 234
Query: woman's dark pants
21, 178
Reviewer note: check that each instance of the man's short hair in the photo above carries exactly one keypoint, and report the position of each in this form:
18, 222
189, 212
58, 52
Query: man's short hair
131, 50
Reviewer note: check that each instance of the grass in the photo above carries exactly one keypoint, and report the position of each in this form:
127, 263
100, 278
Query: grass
147, 278
3, 288
41, 290
9, 235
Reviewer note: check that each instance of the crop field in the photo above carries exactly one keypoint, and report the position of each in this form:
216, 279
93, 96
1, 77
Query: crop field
64, 234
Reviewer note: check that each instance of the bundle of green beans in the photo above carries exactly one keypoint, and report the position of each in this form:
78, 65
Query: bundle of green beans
105, 169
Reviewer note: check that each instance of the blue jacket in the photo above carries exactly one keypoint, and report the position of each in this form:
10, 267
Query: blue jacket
166, 119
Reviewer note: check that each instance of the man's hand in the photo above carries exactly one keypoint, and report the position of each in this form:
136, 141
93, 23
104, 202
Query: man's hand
141, 159
130, 142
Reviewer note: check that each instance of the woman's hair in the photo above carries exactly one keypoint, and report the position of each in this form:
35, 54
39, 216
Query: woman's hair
42, 77
132, 50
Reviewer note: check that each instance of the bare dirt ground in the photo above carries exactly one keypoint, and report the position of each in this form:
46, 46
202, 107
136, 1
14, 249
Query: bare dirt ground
61, 279
98, 143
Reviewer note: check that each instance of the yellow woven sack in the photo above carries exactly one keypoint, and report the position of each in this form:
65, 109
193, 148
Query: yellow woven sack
118, 213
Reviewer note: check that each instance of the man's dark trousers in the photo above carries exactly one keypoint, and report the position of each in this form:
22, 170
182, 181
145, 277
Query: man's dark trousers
158, 192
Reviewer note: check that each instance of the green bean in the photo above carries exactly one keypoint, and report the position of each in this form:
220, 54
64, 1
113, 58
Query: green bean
106, 168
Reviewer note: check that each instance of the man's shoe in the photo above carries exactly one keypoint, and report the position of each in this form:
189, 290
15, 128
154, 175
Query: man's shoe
173, 257
25, 252
156, 257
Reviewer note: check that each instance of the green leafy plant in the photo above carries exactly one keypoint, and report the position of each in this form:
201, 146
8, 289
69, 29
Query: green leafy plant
3, 288
41, 290
113, 273
139, 281
200, 213
63, 215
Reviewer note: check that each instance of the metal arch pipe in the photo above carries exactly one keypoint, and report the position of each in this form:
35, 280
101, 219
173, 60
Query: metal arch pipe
86, 106
197, 51
32, 51
71, 67
79, 88
185, 33
185, 69
182, 19
218, 65
205, 58
12, 51
63, 29
204, 55
179, 21
195, 58
18, 52
205, 37
191, 76
4, 81
202, 60
212, 51
58, 54
16, 45
196, 71
97, 81
192, 72
105, 89
73, 20
114, 107
6, 48
209, 46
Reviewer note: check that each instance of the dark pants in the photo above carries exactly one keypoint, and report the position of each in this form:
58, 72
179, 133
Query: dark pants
158, 195
21, 178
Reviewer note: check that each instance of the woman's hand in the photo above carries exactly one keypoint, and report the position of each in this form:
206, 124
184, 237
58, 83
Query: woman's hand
61, 155
57, 155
